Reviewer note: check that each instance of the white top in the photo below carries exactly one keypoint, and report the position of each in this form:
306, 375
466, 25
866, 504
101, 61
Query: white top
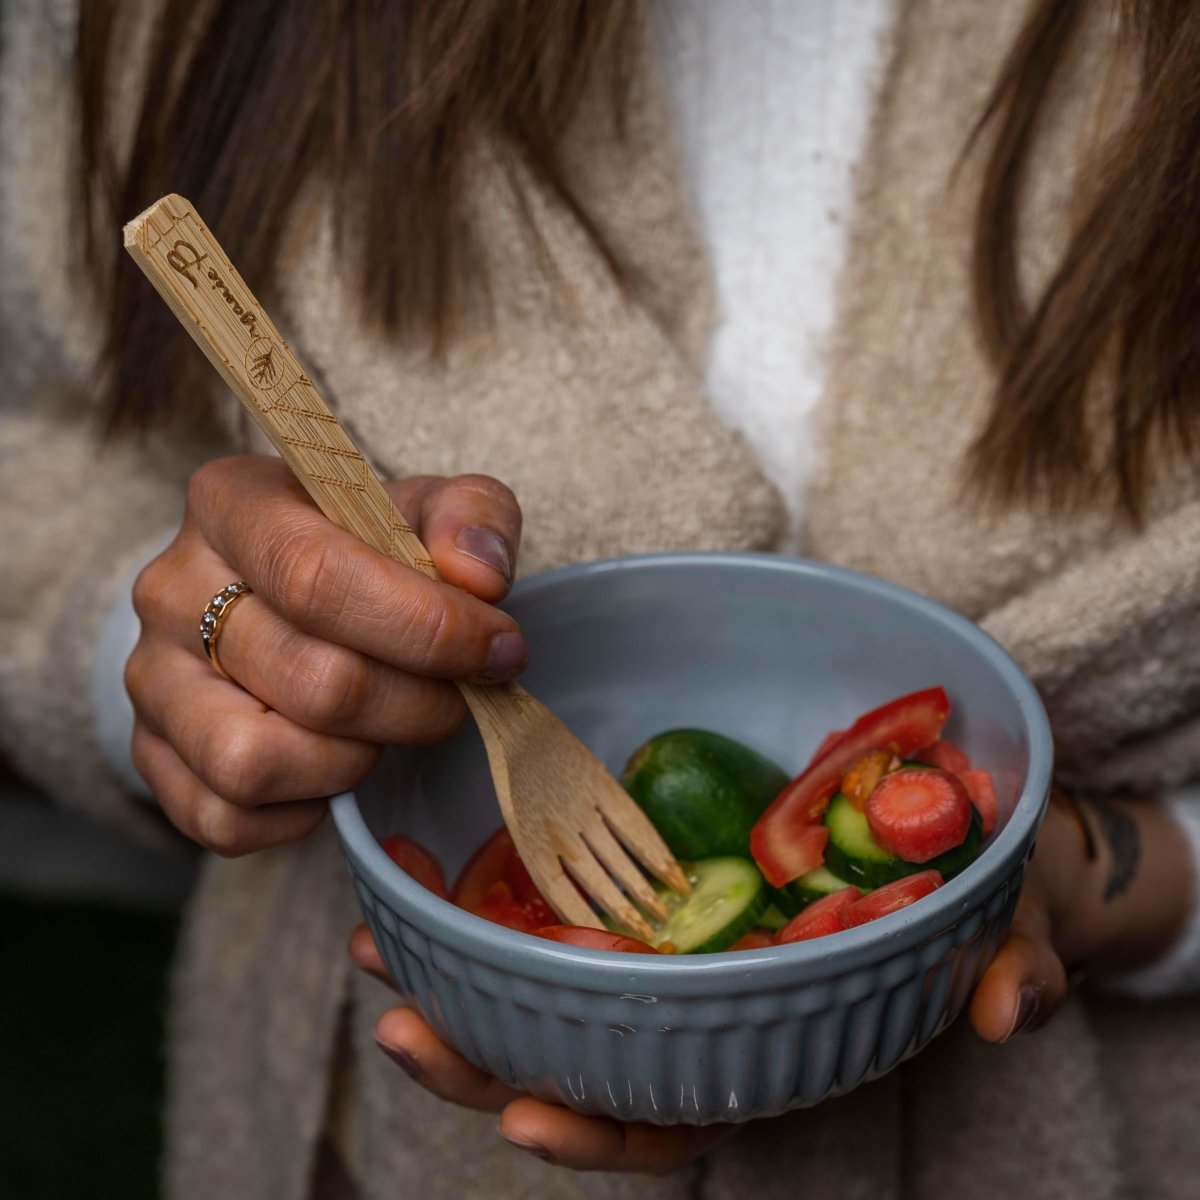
771, 102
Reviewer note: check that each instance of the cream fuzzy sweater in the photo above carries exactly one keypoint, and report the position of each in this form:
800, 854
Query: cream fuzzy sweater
769, 153
1102, 619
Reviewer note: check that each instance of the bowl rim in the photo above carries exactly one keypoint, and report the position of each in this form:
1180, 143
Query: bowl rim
743, 970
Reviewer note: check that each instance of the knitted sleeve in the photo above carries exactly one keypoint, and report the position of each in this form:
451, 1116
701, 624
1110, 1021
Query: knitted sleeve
1113, 644
75, 519
74, 525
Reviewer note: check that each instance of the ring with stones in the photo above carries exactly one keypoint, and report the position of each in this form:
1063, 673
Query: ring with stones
215, 613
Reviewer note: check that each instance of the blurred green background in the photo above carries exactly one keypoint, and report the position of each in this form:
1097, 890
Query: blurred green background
87, 928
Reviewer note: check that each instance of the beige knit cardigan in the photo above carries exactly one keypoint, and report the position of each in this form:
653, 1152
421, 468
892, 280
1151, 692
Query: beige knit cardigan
589, 403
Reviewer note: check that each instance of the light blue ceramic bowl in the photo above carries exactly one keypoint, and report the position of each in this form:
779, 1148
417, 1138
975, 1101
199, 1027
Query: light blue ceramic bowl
775, 652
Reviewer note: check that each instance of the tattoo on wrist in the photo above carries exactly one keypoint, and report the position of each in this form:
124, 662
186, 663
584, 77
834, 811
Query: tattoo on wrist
1120, 831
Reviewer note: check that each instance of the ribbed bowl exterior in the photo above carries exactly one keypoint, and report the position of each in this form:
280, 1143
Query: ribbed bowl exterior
775, 652
694, 1057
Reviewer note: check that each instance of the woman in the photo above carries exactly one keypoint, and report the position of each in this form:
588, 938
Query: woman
498, 183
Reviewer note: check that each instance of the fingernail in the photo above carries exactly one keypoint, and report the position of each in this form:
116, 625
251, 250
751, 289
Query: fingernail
486, 546
507, 656
1028, 1003
529, 1147
405, 1061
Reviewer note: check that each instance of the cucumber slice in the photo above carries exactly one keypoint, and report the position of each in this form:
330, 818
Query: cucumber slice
818, 883
728, 897
703, 792
852, 852
785, 900
855, 855
772, 918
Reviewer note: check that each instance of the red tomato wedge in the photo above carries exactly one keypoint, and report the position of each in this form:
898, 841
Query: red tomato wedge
593, 939
826, 742
504, 908
756, 939
496, 860
782, 841
415, 860
983, 795
495, 885
806, 850
919, 813
827, 915
892, 897
945, 755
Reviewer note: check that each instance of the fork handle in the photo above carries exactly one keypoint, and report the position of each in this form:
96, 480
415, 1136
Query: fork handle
191, 272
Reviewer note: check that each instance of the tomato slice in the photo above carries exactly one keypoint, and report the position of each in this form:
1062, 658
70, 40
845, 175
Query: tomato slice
826, 742
919, 813
415, 860
495, 885
944, 754
983, 795
755, 939
504, 908
488, 864
593, 939
824, 916
892, 897
807, 850
780, 841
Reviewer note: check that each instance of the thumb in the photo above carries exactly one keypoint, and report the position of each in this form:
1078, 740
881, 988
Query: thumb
1026, 981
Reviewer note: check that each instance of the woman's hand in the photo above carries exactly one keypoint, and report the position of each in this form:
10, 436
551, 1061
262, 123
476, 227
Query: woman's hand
337, 651
1109, 888
546, 1131
1087, 902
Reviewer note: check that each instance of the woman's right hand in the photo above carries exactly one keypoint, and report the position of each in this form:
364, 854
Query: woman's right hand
337, 651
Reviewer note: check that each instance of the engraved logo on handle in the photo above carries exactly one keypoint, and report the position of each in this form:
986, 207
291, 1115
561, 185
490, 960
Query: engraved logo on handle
262, 364
183, 264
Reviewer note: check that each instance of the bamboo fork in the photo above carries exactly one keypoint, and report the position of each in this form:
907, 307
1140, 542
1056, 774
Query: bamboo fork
568, 817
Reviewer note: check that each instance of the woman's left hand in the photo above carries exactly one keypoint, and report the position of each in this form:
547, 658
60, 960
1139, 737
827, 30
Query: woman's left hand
547, 1131
1109, 888
1028, 978
1086, 903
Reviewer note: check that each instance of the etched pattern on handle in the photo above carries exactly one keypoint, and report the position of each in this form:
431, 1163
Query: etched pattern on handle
187, 266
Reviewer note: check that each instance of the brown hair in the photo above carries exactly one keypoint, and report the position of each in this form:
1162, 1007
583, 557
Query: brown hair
388, 97
1099, 377
245, 99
